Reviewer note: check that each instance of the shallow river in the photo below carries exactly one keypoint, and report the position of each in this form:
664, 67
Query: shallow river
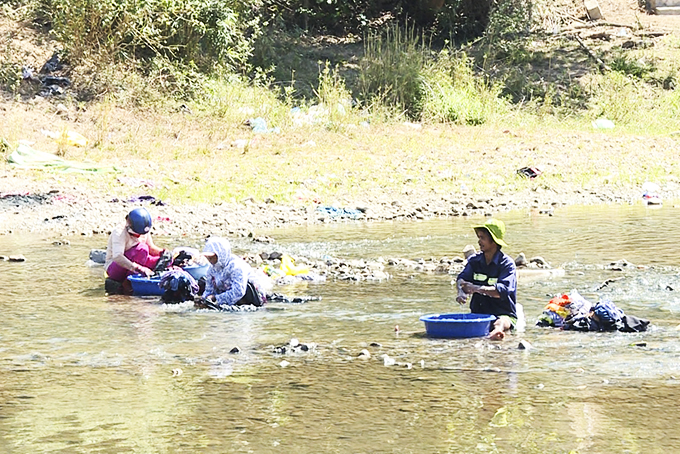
83, 372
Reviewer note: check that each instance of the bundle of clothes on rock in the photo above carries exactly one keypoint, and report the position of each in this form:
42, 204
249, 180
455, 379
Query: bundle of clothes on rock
573, 312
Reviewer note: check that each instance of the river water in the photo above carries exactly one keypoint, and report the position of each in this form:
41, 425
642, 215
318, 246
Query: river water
84, 372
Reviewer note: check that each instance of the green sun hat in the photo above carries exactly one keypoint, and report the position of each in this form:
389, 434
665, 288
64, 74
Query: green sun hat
496, 229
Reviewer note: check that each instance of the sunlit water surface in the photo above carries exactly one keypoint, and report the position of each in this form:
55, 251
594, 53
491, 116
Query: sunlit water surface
83, 372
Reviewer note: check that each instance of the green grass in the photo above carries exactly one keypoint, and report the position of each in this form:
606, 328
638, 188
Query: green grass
443, 125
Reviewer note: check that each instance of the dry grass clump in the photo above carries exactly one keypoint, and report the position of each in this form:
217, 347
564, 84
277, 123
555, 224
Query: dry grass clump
552, 14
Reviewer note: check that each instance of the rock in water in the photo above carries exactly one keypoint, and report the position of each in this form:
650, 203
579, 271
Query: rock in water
524, 345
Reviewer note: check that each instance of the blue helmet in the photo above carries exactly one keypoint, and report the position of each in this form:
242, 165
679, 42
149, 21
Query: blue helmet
140, 220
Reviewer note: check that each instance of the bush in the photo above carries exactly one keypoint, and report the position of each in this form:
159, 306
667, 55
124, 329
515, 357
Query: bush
10, 76
453, 93
204, 33
391, 69
628, 65
619, 97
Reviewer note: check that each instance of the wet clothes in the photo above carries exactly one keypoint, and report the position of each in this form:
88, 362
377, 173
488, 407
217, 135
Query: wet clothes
583, 316
501, 273
231, 280
632, 324
178, 286
292, 299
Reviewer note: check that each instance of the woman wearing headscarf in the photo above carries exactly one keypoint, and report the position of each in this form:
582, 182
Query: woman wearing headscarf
230, 280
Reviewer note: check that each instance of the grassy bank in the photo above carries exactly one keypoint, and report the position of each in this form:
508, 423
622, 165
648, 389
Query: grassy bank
390, 117
197, 158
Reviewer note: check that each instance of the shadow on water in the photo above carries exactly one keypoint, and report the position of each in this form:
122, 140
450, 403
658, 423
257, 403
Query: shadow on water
84, 372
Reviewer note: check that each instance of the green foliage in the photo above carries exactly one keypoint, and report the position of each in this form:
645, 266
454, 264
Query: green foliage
234, 100
204, 33
391, 69
332, 89
445, 19
509, 22
510, 19
666, 79
398, 70
619, 97
157, 83
10, 76
636, 67
5, 146
335, 16
453, 93
671, 103
334, 97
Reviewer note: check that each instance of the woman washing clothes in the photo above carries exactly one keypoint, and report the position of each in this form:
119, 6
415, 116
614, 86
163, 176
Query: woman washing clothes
490, 276
230, 280
130, 250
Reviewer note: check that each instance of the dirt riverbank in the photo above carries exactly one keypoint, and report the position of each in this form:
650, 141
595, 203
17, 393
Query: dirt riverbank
46, 206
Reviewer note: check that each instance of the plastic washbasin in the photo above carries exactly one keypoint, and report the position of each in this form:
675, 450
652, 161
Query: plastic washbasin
145, 286
197, 271
457, 325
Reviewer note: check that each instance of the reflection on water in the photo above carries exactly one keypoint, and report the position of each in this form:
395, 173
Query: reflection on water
83, 372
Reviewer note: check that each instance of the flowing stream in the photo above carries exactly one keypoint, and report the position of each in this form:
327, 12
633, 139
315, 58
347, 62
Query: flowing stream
84, 372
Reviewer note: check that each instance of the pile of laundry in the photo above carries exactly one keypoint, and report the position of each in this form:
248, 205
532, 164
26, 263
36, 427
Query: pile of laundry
573, 312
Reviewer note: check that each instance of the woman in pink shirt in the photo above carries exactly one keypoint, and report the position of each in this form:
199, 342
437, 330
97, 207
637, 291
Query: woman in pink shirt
130, 250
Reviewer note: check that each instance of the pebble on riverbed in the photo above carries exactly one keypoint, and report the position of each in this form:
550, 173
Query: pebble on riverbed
40, 207
524, 345
620, 265
294, 346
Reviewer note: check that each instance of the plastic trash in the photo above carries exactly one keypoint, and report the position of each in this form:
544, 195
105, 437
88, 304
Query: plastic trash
259, 126
288, 266
66, 137
27, 72
334, 212
98, 256
51, 65
529, 172
603, 123
650, 194
387, 361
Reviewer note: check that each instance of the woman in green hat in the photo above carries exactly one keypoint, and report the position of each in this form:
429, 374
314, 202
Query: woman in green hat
490, 276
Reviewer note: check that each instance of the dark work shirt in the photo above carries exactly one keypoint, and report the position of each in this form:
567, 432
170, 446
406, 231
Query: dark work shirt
501, 273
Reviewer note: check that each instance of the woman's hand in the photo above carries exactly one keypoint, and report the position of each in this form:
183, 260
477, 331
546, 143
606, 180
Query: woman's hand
143, 270
463, 291
468, 287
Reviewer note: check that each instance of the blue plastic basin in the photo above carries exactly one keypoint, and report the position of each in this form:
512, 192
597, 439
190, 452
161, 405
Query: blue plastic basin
145, 286
457, 325
197, 271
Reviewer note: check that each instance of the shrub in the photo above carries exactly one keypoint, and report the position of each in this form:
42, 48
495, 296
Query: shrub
453, 93
619, 97
204, 33
636, 67
391, 69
